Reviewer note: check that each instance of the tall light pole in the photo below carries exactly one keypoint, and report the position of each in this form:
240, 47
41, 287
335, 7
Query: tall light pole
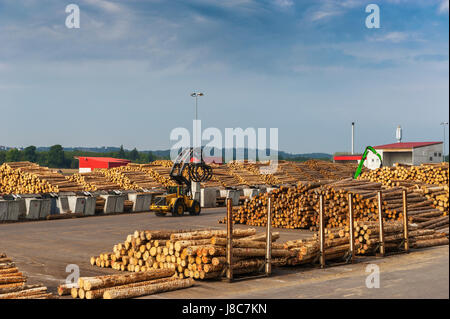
353, 138
196, 95
443, 153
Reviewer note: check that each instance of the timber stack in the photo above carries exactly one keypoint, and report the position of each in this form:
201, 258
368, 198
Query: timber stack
198, 254
366, 235
434, 174
130, 177
13, 283
123, 286
94, 181
30, 178
298, 207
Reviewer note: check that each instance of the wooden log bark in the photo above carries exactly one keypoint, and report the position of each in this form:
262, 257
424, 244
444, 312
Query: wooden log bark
110, 281
148, 289
65, 289
98, 293
22, 293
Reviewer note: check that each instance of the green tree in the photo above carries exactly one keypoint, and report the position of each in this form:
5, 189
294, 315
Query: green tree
56, 157
121, 153
2, 157
134, 154
13, 155
29, 154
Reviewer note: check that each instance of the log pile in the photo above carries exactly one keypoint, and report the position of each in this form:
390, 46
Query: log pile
366, 235
131, 177
30, 178
94, 181
297, 207
196, 254
434, 174
13, 283
123, 286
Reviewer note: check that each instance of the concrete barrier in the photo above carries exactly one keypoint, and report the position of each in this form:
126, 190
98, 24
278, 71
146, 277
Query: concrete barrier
13, 210
208, 197
4, 210
22, 207
76, 203
110, 204
61, 206
33, 208
231, 193
251, 192
147, 202
89, 207
138, 201
196, 191
120, 201
46, 206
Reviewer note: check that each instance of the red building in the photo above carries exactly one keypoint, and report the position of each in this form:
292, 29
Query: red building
88, 164
347, 158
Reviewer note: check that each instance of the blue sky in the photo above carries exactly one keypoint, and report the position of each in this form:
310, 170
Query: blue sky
309, 68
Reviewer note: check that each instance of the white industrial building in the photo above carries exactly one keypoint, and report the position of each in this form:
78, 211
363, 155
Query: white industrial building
412, 153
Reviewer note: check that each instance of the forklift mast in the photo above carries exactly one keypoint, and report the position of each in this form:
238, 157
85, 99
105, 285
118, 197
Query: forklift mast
189, 167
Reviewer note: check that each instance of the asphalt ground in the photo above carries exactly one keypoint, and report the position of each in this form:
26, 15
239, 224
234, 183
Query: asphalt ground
43, 250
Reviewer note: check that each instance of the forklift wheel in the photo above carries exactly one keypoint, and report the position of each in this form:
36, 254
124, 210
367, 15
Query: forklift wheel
178, 208
160, 214
195, 208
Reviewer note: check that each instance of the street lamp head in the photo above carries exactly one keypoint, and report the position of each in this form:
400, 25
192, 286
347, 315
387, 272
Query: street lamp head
444, 123
195, 94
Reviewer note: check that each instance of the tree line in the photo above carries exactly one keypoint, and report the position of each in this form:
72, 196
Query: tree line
56, 157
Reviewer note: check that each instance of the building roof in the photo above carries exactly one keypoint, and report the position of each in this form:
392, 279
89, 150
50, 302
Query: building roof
103, 159
405, 145
347, 157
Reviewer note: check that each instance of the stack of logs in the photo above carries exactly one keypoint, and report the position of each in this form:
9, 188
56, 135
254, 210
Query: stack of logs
13, 283
30, 178
435, 174
93, 181
131, 177
125, 285
196, 254
297, 207
367, 241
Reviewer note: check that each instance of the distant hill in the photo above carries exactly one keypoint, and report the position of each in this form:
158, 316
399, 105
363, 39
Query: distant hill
103, 149
281, 155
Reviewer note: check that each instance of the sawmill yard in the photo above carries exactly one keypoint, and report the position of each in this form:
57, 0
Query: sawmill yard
398, 232
43, 249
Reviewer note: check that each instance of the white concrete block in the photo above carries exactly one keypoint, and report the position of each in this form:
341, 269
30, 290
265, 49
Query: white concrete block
110, 204
76, 204
138, 201
147, 202
61, 205
13, 210
208, 197
120, 201
33, 208
46, 206
251, 192
89, 207
234, 195
4, 210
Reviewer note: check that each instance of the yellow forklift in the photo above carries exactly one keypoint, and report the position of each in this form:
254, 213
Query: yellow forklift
187, 168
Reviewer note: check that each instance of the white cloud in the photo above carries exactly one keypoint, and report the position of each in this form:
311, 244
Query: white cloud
284, 3
105, 5
443, 8
393, 37
322, 14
